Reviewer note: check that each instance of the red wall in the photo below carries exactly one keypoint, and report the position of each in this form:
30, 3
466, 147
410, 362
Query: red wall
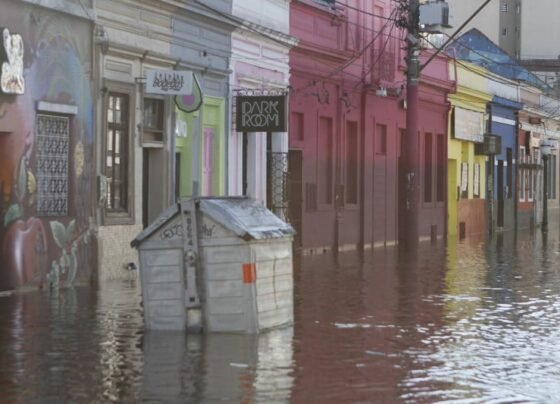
334, 78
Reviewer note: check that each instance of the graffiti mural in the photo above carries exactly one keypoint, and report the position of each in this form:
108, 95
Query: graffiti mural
47, 232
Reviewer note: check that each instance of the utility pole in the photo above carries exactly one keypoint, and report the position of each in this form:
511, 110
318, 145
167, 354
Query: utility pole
409, 237
411, 199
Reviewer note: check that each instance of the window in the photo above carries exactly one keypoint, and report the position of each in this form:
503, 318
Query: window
117, 155
504, 31
153, 120
522, 174
428, 163
296, 126
504, 7
534, 175
509, 173
325, 160
310, 197
440, 173
53, 138
552, 176
352, 162
381, 139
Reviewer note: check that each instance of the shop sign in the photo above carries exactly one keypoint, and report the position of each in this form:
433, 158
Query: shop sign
169, 82
11, 56
468, 125
261, 113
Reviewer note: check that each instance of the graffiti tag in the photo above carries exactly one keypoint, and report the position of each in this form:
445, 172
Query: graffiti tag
11, 75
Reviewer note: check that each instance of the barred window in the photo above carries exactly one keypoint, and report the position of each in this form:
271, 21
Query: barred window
53, 137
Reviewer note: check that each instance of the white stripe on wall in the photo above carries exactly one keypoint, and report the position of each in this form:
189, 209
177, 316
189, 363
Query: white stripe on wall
505, 121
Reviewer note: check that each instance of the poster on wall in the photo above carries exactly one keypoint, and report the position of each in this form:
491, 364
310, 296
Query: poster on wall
193, 101
468, 125
464, 180
476, 181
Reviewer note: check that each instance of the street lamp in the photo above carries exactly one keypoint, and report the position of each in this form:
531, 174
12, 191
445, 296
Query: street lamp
546, 149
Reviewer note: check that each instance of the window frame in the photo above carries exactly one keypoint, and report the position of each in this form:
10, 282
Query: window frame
154, 135
352, 164
428, 169
328, 169
522, 174
126, 216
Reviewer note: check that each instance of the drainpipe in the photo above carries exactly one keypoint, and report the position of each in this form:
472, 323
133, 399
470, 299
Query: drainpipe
409, 239
490, 179
363, 120
516, 172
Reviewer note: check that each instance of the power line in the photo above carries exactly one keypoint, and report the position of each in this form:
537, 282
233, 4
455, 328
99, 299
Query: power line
365, 12
478, 10
350, 60
378, 59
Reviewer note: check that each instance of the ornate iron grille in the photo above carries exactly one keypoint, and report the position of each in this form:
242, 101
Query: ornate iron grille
277, 189
53, 138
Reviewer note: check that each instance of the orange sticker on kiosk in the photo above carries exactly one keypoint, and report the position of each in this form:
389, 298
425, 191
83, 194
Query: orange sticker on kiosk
249, 273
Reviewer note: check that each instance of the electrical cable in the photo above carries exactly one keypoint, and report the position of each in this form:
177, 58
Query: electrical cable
348, 62
364, 12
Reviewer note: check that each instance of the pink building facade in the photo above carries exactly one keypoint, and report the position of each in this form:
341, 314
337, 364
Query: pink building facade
347, 127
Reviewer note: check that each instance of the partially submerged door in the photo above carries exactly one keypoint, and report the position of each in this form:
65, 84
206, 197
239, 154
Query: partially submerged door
501, 194
208, 161
295, 194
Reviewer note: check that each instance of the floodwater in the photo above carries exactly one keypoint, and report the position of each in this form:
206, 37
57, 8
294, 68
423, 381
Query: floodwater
471, 322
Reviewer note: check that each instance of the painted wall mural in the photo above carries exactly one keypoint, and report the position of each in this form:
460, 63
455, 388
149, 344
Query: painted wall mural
47, 229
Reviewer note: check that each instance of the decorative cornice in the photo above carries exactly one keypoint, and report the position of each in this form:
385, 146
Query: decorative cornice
66, 7
131, 53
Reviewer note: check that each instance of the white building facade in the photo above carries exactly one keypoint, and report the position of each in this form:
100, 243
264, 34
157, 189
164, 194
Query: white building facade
138, 155
258, 161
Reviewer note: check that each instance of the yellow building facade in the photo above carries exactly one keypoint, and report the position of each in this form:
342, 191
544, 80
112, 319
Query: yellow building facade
466, 170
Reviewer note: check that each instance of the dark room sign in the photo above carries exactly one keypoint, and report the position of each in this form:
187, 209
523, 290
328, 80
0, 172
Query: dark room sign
261, 113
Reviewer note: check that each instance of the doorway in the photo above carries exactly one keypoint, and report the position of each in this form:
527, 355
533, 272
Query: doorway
208, 162
295, 194
501, 196
153, 185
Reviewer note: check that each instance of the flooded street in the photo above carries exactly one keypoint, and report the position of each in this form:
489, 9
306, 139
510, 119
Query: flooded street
473, 322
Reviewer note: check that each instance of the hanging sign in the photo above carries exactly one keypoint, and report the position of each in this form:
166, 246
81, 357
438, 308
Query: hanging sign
169, 82
11, 56
261, 113
193, 101
469, 125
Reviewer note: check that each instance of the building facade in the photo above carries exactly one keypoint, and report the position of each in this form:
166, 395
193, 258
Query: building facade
47, 232
466, 170
148, 152
258, 161
502, 167
516, 26
347, 125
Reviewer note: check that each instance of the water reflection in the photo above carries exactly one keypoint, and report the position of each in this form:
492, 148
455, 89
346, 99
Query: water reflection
474, 321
